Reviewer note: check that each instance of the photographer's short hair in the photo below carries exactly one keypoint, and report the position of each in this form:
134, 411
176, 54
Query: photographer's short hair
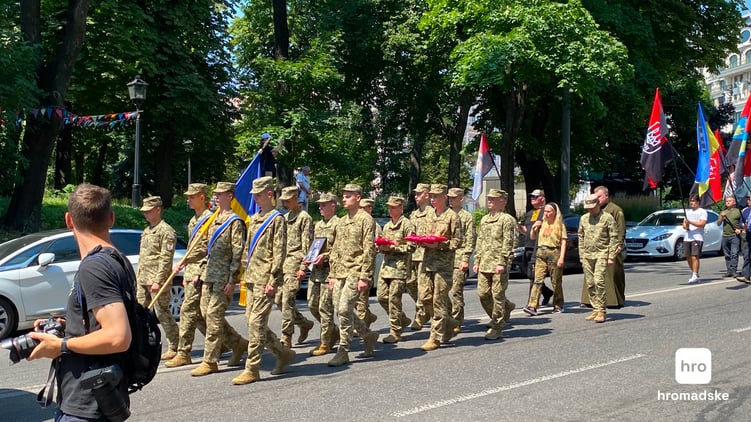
90, 207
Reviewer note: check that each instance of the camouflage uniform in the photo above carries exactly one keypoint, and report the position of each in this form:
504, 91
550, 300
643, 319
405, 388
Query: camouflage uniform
615, 276
395, 269
155, 266
597, 244
363, 305
495, 246
190, 311
320, 301
222, 267
462, 255
299, 238
436, 273
264, 267
351, 260
418, 218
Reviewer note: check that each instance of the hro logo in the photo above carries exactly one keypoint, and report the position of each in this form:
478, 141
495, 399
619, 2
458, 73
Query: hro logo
693, 366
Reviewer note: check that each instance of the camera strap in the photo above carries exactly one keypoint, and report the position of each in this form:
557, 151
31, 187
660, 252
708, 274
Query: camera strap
50, 387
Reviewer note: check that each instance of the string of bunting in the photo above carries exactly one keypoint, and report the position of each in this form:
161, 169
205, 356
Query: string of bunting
108, 121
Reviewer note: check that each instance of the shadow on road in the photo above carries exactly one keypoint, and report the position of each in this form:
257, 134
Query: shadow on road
19, 405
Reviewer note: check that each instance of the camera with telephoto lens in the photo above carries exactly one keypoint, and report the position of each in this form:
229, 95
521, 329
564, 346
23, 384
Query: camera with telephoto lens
103, 382
21, 347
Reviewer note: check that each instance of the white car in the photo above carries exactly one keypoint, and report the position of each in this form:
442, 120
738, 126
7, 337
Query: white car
661, 235
37, 270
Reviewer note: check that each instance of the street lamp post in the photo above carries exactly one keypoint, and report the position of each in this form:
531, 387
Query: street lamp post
188, 144
137, 93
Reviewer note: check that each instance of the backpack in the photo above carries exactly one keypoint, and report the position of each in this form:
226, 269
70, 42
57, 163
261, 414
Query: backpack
142, 358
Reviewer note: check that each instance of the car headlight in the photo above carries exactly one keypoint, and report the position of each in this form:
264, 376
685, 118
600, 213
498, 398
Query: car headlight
662, 237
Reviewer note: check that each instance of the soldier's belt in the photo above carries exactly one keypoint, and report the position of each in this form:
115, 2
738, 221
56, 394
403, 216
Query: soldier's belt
547, 248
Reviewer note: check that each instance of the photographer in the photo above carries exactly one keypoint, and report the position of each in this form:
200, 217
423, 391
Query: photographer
99, 337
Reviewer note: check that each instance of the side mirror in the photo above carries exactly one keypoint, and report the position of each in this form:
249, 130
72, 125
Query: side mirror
46, 259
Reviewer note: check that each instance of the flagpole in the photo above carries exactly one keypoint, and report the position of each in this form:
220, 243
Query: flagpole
678, 176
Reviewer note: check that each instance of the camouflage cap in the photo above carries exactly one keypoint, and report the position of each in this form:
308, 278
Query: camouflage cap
497, 193
151, 202
422, 187
289, 192
367, 202
327, 197
454, 192
437, 189
395, 201
352, 187
262, 184
222, 187
591, 201
195, 188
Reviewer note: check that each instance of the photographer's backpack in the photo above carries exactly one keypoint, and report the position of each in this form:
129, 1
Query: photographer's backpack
143, 356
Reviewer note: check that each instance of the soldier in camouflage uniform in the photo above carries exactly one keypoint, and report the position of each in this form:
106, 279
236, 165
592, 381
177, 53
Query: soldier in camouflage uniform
363, 304
264, 274
418, 219
154, 267
395, 268
437, 269
220, 275
192, 263
299, 238
495, 250
351, 268
320, 300
461, 258
598, 246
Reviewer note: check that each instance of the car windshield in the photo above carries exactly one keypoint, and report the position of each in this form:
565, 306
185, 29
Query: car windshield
12, 246
663, 219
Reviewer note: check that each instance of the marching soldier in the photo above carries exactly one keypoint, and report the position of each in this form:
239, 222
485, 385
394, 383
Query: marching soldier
437, 269
220, 275
154, 268
190, 310
363, 304
264, 274
351, 269
495, 250
299, 238
597, 250
395, 268
418, 219
320, 300
461, 258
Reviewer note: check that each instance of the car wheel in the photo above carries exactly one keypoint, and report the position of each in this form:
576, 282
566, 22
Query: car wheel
678, 249
177, 295
8, 319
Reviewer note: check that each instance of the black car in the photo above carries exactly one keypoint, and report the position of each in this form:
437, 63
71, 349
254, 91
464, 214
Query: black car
572, 249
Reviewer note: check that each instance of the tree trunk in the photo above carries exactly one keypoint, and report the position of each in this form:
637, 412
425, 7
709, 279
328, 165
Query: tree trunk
281, 30
53, 77
97, 174
63, 152
515, 105
455, 135
415, 169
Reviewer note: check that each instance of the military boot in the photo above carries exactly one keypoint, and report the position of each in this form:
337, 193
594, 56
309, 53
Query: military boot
341, 358
591, 316
452, 328
169, 354
392, 338
600, 316
369, 342
510, 306
237, 353
370, 318
282, 361
431, 344
181, 359
321, 350
304, 331
205, 368
493, 334
246, 377
405, 322
416, 325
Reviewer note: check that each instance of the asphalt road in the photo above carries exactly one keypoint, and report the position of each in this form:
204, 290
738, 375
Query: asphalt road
549, 367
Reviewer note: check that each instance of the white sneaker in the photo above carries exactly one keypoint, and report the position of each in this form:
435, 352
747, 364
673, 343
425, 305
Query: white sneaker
693, 280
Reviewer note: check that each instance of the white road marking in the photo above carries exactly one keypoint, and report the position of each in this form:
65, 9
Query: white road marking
740, 330
459, 399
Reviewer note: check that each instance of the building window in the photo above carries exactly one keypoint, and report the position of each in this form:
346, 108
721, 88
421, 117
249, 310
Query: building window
733, 61
745, 35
